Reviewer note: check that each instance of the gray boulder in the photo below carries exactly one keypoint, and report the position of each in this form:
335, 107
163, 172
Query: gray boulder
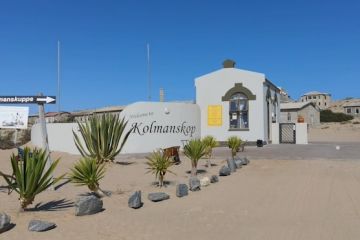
182, 190
214, 179
40, 226
194, 184
87, 205
246, 161
158, 196
4, 222
135, 200
231, 164
224, 171
238, 163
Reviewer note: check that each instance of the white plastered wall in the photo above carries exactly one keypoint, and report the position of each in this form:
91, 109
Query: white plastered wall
212, 87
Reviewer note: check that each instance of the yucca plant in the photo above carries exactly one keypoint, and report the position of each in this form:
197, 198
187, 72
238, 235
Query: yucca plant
209, 142
159, 164
87, 172
194, 150
234, 143
103, 136
30, 176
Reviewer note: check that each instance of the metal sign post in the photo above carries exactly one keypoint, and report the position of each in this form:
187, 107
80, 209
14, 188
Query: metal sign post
44, 136
40, 100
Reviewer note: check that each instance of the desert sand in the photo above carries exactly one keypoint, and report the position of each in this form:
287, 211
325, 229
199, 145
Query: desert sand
268, 199
331, 132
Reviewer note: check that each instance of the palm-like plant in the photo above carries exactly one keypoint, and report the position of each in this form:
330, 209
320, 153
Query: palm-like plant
30, 176
209, 142
194, 150
234, 143
87, 172
102, 136
159, 164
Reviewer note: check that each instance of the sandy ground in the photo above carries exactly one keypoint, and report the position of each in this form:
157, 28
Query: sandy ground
331, 132
274, 199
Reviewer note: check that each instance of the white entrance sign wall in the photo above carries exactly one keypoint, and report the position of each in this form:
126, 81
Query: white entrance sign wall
160, 125
155, 125
14, 117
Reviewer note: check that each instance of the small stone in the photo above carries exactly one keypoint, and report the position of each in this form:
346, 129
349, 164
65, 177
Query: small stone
194, 184
158, 196
238, 163
214, 179
182, 190
135, 200
4, 222
88, 205
245, 161
40, 226
224, 171
231, 164
205, 181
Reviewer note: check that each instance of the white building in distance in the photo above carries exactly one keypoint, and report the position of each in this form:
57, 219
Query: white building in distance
322, 100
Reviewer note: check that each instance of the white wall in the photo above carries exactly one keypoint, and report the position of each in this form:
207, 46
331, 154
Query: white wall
211, 87
60, 136
275, 133
301, 133
183, 121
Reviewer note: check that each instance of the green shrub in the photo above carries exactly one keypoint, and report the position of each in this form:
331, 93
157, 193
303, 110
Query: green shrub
234, 143
194, 150
102, 136
159, 164
30, 176
87, 172
209, 142
330, 116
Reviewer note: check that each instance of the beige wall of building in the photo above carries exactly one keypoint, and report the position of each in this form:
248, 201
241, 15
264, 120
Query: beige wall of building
322, 100
291, 111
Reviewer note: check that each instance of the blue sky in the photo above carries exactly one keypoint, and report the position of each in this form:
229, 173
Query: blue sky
299, 45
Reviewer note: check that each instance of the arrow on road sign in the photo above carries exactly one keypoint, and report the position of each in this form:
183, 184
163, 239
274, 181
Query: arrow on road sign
45, 99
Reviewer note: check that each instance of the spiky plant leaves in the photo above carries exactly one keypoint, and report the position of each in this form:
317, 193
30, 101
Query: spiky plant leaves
234, 143
87, 172
159, 165
194, 150
209, 142
30, 176
103, 137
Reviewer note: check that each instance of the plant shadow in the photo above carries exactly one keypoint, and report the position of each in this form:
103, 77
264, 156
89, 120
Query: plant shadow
52, 205
166, 183
199, 171
212, 165
61, 184
124, 163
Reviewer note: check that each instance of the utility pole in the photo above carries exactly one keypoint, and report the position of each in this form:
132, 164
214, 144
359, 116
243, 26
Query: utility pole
149, 71
58, 76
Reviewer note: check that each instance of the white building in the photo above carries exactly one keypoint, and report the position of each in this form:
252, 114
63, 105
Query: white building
237, 102
322, 100
352, 108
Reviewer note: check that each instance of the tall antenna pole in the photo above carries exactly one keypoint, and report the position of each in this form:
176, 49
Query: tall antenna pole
58, 75
149, 71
